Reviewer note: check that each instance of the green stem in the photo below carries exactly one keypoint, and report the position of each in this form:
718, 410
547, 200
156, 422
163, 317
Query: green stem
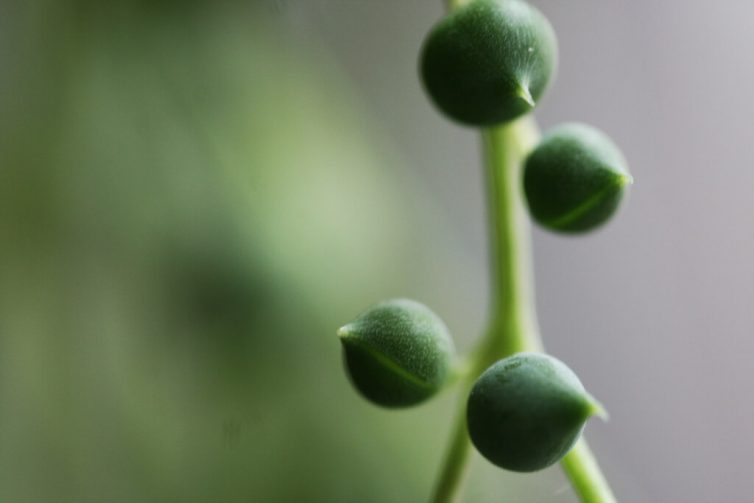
456, 464
585, 475
513, 323
512, 326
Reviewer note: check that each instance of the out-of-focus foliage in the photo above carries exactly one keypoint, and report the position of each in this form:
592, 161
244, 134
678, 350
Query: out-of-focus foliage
190, 204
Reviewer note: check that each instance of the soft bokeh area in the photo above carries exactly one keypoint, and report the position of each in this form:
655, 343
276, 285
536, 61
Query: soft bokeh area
195, 195
193, 200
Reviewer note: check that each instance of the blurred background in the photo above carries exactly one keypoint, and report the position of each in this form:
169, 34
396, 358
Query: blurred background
194, 195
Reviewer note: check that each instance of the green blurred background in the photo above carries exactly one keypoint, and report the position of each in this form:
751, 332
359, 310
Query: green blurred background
193, 200
195, 195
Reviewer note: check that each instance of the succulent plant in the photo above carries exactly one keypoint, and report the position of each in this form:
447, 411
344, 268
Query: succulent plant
575, 179
526, 411
486, 64
489, 61
397, 352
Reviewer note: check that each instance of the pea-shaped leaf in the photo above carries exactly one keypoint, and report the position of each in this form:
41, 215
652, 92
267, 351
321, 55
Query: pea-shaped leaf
526, 411
489, 62
397, 353
575, 179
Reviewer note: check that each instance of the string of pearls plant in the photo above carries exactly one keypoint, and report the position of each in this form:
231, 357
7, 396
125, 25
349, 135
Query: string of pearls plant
486, 65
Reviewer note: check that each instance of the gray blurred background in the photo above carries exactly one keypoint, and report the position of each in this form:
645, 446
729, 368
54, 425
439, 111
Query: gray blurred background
195, 195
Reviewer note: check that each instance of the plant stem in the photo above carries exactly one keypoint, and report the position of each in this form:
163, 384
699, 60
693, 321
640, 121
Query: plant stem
585, 475
513, 323
456, 463
512, 327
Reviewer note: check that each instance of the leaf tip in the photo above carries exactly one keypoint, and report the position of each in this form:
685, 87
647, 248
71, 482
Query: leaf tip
524, 93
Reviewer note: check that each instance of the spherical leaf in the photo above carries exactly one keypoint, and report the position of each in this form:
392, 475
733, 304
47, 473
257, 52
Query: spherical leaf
575, 179
397, 353
489, 61
526, 411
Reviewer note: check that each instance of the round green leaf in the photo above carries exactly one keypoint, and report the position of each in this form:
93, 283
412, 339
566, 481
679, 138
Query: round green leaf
526, 411
489, 62
575, 179
397, 353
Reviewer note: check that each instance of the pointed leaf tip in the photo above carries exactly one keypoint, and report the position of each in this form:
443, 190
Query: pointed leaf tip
343, 332
524, 93
595, 408
626, 180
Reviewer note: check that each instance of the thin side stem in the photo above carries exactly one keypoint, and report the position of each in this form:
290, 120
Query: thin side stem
456, 464
585, 475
